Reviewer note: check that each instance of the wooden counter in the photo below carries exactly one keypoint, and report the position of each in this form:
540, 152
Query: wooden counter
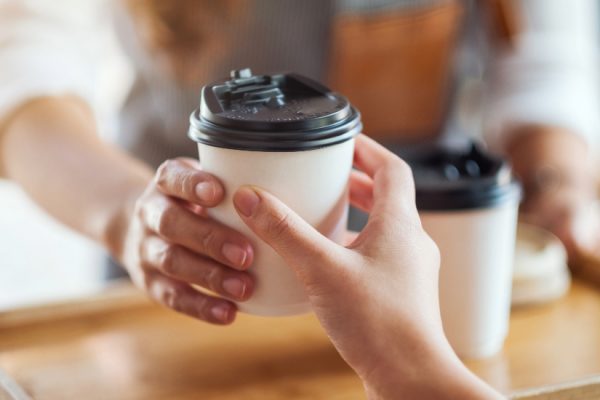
122, 347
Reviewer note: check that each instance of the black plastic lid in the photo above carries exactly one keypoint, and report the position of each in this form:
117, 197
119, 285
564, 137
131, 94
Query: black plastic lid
284, 112
451, 179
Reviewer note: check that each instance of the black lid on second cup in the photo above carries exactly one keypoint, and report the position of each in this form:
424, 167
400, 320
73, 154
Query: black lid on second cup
285, 112
451, 179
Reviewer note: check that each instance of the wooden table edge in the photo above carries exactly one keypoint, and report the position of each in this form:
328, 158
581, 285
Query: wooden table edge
114, 298
582, 389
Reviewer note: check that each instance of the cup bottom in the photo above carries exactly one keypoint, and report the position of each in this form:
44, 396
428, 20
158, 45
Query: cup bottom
484, 350
275, 311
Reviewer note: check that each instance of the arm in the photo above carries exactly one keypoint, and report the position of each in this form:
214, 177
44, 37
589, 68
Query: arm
377, 298
151, 222
51, 148
543, 113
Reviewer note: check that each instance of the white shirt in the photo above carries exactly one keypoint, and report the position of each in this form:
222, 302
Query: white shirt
551, 77
62, 47
69, 46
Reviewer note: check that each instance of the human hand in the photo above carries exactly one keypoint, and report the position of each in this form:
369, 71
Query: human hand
570, 212
559, 182
170, 244
378, 297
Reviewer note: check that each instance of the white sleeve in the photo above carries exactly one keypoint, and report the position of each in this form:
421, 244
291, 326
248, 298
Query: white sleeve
52, 48
551, 76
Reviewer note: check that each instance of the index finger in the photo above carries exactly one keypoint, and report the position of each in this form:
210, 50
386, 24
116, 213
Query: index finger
305, 249
393, 184
181, 179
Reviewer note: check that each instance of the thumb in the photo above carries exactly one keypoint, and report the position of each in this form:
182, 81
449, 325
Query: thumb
296, 241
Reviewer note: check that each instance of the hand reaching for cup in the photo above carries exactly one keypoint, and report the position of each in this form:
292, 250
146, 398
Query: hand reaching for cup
378, 297
557, 169
171, 244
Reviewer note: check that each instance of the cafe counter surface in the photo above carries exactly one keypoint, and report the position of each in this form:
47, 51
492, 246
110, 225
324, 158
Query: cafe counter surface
120, 346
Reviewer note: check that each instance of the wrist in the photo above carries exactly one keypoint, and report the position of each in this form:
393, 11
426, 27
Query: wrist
547, 159
117, 222
548, 179
405, 370
436, 374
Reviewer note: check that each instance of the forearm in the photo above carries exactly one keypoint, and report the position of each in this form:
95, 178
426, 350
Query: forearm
51, 149
545, 157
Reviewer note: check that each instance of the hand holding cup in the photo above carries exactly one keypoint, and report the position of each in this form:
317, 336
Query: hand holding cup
171, 244
377, 298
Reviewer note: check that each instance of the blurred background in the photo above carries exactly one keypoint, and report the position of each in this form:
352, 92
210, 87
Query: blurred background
40, 260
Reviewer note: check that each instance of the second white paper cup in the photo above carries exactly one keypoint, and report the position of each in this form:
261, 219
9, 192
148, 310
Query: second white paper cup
468, 203
477, 251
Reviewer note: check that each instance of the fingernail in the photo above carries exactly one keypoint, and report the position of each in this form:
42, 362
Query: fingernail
246, 201
221, 312
205, 191
234, 254
235, 287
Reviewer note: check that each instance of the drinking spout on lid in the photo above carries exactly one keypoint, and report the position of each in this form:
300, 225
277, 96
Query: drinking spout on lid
241, 73
246, 88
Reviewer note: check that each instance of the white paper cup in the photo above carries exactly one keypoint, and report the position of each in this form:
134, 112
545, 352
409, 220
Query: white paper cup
287, 135
312, 183
476, 248
468, 204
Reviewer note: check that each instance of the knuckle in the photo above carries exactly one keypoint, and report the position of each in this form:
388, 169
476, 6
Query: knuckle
389, 162
210, 241
141, 249
434, 250
213, 279
202, 305
160, 290
145, 281
187, 183
404, 170
143, 205
279, 224
143, 201
169, 297
169, 258
184, 160
163, 171
140, 278
397, 164
165, 222
138, 206
404, 167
